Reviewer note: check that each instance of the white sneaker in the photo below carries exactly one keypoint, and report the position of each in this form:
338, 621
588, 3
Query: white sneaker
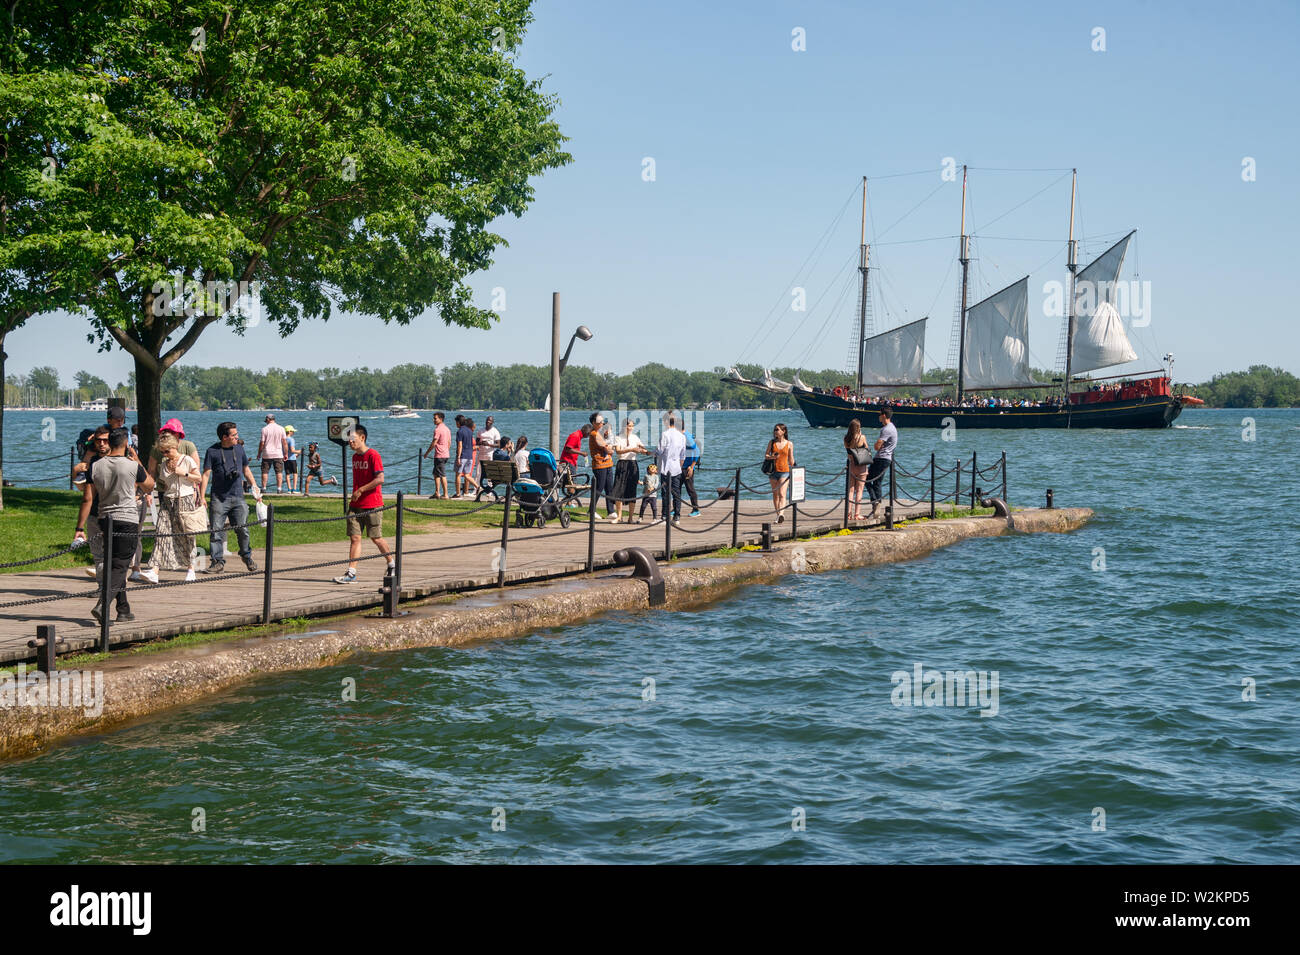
151, 575
189, 575
349, 578
90, 571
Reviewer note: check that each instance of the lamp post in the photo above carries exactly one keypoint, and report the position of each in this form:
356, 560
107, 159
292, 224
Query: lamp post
557, 366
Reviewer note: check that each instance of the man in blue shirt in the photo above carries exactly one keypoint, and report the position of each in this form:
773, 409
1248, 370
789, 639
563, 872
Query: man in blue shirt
688, 468
225, 467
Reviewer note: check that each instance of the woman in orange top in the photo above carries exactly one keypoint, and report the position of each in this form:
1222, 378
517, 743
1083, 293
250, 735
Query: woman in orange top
602, 466
780, 451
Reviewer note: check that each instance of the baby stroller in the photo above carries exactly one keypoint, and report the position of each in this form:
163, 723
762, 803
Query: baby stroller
541, 496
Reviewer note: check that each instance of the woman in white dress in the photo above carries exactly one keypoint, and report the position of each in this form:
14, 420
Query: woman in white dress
627, 472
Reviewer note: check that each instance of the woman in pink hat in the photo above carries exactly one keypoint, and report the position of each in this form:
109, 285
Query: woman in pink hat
170, 557
181, 514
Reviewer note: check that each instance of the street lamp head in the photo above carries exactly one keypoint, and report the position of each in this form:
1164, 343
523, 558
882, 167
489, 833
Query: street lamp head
584, 333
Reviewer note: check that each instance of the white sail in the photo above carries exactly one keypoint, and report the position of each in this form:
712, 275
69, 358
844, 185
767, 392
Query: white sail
1099, 337
774, 384
798, 383
995, 353
896, 356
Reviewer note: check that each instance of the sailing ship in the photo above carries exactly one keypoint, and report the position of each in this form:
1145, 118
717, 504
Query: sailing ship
993, 355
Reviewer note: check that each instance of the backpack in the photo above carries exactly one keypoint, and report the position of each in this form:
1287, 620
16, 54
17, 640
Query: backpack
692, 451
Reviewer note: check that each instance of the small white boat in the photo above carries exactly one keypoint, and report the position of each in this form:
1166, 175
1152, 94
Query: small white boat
401, 411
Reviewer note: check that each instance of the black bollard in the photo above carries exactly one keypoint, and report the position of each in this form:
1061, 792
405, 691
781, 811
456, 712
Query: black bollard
1050, 504
767, 537
644, 568
45, 645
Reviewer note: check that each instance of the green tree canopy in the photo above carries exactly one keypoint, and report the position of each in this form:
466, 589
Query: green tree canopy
346, 155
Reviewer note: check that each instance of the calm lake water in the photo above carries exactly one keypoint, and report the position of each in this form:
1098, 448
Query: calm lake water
1119, 690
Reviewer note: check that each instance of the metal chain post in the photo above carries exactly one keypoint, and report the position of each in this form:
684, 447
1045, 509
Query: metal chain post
848, 481
505, 537
106, 584
974, 478
893, 488
397, 551
591, 528
344, 468
931, 485
269, 559
1004, 478
419, 474
666, 482
735, 513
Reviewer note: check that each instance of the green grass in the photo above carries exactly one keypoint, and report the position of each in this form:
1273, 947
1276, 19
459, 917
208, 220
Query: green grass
35, 523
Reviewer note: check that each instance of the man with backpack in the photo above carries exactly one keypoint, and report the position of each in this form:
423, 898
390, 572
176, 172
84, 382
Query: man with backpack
688, 468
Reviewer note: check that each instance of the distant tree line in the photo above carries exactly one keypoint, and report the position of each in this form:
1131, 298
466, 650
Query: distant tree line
1259, 386
42, 387
522, 387
462, 385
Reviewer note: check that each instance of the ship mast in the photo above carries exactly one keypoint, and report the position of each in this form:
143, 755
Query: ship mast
1072, 265
864, 254
964, 258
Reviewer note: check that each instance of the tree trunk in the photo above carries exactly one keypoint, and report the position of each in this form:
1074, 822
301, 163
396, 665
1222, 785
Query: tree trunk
148, 412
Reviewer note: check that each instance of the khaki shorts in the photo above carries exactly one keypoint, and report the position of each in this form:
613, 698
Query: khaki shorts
372, 521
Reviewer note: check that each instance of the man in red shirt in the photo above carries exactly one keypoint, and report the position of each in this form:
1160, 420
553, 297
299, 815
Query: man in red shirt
569, 457
365, 510
573, 446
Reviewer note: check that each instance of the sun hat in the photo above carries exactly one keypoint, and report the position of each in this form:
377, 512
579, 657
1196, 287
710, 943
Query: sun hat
173, 424
290, 429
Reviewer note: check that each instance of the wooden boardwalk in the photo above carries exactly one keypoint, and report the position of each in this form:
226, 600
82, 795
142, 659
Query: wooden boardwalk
433, 562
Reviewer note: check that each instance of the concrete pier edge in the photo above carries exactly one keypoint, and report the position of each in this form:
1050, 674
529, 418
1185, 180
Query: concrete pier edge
157, 684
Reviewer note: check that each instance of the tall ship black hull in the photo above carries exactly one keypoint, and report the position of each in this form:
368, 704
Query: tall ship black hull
830, 411
990, 353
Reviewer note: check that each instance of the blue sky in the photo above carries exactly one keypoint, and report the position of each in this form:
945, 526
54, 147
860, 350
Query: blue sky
757, 147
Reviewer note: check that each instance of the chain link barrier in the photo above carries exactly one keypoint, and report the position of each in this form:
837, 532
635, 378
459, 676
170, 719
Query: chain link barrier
576, 526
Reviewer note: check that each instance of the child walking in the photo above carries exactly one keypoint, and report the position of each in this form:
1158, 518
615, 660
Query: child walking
649, 493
